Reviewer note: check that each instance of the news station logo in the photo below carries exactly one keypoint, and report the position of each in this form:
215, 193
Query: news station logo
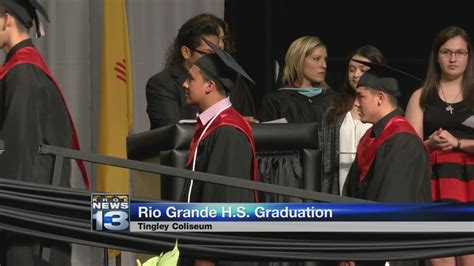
110, 212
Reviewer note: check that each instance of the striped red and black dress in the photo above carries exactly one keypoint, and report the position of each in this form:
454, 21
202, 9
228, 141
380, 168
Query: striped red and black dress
453, 171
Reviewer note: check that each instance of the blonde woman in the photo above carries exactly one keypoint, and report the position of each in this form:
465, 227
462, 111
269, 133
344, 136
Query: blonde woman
305, 95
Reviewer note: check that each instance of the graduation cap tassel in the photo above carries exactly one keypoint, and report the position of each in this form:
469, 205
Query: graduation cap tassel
39, 29
39, 26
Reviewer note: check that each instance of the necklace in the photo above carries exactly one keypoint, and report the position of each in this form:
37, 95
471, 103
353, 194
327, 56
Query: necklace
449, 108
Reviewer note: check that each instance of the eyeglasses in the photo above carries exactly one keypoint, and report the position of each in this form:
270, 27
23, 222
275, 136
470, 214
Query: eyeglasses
448, 53
199, 51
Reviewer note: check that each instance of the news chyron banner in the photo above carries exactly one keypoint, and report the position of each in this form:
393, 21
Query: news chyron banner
114, 212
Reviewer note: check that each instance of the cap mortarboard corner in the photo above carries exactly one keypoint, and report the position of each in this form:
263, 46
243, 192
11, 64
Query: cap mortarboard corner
220, 65
391, 80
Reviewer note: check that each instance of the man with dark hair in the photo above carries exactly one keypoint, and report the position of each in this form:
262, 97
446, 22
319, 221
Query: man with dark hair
223, 141
165, 97
32, 112
382, 171
392, 164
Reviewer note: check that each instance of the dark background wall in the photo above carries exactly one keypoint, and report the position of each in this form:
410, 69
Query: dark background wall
264, 29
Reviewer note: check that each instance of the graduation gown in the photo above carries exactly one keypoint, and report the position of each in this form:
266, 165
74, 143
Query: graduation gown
296, 108
399, 172
166, 103
32, 112
225, 150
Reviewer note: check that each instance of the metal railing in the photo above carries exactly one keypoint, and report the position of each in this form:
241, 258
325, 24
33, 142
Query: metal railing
61, 153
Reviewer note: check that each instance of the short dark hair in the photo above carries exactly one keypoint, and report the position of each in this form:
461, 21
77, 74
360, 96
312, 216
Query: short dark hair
391, 99
219, 86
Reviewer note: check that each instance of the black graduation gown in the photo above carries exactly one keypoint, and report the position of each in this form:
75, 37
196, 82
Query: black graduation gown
226, 151
166, 103
296, 108
400, 171
31, 113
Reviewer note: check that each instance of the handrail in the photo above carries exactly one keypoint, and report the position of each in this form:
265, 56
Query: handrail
188, 174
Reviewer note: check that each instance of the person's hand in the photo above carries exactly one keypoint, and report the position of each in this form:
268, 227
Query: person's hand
251, 119
452, 140
436, 142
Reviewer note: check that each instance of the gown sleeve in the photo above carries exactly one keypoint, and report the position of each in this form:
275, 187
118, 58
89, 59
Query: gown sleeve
269, 109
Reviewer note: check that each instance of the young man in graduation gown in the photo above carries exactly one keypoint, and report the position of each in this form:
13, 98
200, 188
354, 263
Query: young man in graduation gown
223, 141
392, 164
32, 112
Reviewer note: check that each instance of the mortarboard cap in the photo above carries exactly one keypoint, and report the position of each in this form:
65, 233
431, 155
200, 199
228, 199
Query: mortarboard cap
388, 79
25, 12
221, 67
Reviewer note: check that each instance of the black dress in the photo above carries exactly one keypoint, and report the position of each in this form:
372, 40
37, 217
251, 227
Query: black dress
453, 171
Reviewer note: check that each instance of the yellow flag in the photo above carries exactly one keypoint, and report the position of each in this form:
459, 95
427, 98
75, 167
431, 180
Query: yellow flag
115, 109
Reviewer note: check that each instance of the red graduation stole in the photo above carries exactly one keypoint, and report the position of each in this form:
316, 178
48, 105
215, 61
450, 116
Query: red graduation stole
228, 117
368, 145
29, 55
